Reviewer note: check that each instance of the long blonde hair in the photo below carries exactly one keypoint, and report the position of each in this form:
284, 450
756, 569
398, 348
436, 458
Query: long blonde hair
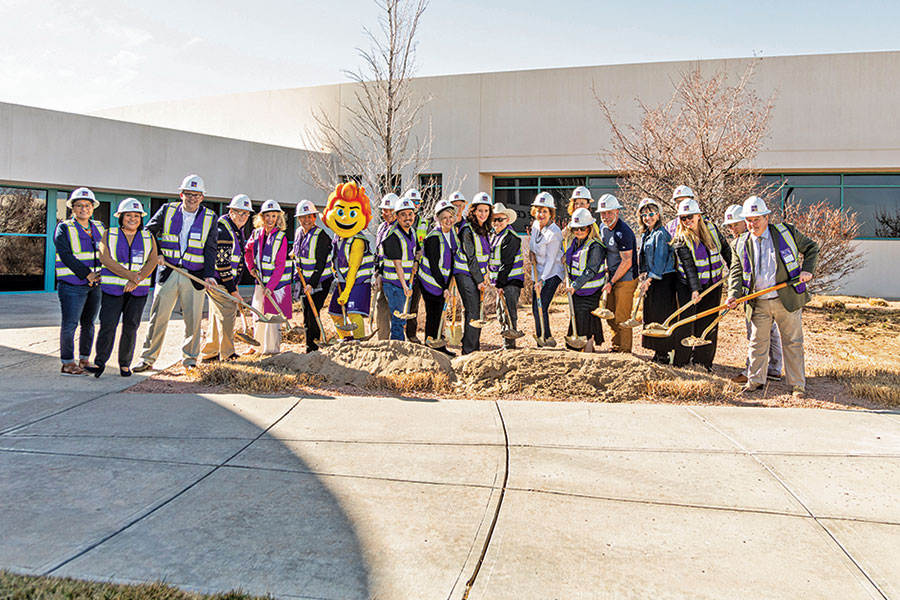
281, 223
685, 234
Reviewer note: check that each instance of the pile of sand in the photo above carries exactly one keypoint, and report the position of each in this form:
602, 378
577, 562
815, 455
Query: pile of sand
562, 375
355, 363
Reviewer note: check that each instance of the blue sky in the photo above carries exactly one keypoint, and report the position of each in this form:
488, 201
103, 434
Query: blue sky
83, 55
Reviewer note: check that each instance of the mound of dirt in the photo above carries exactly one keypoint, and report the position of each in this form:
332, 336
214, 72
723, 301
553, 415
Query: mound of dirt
564, 375
355, 363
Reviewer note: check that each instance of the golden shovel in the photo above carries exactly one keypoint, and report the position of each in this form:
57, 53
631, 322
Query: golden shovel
635, 319
243, 335
323, 338
601, 312
575, 341
657, 330
268, 294
693, 341
508, 333
346, 326
454, 333
479, 322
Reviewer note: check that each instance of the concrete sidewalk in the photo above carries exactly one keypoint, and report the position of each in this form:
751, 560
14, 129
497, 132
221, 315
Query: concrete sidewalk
322, 497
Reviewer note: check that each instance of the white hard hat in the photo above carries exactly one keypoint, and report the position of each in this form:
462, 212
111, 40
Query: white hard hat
608, 202
582, 217
688, 206
193, 183
413, 194
544, 199
443, 205
404, 203
754, 207
130, 205
270, 206
509, 213
82, 193
733, 214
482, 198
305, 207
241, 202
581, 193
388, 202
682, 191
647, 202
456, 197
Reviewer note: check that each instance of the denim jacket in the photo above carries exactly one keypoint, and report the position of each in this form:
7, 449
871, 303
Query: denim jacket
657, 258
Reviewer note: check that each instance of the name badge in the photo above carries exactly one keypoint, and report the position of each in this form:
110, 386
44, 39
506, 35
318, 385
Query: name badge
138, 258
267, 258
196, 235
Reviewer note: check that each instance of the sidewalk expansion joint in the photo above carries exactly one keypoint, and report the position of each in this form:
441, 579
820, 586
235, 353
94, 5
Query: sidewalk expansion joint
105, 457
57, 413
169, 500
490, 533
796, 497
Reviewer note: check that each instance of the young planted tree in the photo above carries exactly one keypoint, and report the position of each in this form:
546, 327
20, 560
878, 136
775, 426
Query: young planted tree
373, 136
705, 136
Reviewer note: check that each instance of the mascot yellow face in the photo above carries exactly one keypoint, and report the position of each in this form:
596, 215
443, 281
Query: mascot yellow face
348, 211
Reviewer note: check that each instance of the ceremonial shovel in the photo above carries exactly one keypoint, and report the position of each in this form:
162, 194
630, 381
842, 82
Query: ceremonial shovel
406, 315
242, 335
346, 326
323, 339
576, 341
479, 322
657, 330
268, 294
634, 321
508, 333
454, 332
601, 312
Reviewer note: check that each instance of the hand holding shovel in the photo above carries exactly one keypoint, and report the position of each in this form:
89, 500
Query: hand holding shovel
635, 319
505, 320
406, 315
323, 338
601, 312
268, 294
657, 330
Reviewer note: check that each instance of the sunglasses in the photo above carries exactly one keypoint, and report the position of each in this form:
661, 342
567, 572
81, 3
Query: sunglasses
687, 217
649, 213
499, 219
579, 229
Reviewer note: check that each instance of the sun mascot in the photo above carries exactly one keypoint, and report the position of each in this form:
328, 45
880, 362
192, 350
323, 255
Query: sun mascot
347, 214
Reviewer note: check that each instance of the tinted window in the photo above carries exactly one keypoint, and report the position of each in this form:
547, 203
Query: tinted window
23, 211
871, 179
808, 196
567, 182
515, 198
21, 263
878, 210
515, 182
791, 180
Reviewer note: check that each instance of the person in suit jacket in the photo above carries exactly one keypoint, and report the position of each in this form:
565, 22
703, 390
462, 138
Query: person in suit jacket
769, 254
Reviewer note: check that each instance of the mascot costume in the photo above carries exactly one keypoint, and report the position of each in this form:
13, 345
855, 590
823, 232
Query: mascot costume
347, 214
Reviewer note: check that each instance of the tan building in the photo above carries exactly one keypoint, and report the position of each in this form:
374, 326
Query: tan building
518, 133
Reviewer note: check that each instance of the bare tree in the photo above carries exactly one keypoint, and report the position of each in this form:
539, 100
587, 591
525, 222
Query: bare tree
372, 138
705, 136
888, 222
834, 230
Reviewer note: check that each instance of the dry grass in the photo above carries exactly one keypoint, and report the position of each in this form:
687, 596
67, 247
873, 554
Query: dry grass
411, 383
30, 587
832, 304
246, 378
877, 302
881, 385
690, 390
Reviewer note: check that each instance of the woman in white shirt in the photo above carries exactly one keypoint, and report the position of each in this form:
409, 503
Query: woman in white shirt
546, 252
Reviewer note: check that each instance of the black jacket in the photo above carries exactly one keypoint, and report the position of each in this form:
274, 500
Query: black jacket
683, 255
509, 249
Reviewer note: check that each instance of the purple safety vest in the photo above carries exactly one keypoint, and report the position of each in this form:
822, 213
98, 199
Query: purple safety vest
133, 257
85, 248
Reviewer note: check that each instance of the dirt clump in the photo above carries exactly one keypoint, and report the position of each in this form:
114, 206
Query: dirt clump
360, 363
562, 375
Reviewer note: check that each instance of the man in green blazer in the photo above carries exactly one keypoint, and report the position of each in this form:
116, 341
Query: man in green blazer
769, 254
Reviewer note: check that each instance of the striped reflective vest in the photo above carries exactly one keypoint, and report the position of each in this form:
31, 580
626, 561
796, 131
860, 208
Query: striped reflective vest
340, 259
494, 264
576, 263
133, 256
421, 228
448, 251
306, 246
237, 247
85, 248
787, 249
169, 245
708, 261
407, 252
482, 252
266, 249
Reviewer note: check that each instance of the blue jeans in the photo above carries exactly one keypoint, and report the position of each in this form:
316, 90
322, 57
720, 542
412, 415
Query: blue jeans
80, 304
396, 302
548, 289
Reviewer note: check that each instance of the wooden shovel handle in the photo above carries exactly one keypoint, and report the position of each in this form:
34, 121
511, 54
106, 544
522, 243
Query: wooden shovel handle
711, 311
312, 305
690, 304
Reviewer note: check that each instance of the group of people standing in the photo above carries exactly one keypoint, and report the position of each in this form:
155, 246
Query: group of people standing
463, 249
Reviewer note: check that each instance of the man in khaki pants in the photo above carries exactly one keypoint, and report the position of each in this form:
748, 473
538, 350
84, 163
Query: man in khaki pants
767, 255
187, 237
229, 269
621, 264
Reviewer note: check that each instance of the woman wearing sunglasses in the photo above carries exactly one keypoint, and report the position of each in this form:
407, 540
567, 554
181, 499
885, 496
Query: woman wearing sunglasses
701, 258
585, 261
656, 262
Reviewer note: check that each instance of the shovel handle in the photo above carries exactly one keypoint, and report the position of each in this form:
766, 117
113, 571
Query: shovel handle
312, 305
571, 307
216, 288
711, 311
689, 304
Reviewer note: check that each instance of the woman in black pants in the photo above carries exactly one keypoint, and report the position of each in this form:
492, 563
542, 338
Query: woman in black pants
701, 260
470, 266
546, 251
658, 277
436, 268
585, 260
128, 255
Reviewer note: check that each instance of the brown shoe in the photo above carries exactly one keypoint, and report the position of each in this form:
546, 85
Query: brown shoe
798, 393
742, 378
72, 370
141, 368
750, 387
84, 364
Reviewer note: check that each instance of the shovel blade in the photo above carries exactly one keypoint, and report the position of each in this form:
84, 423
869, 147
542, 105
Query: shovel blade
576, 342
550, 342
246, 339
433, 343
694, 342
603, 313
275, 319
630, 323
512, 334
346, 326
298, 330
477, 323
655, 332
539, 341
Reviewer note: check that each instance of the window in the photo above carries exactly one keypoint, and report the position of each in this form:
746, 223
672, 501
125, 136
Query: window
23, 211
23, 236
431, 187
396, 184
877, 210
